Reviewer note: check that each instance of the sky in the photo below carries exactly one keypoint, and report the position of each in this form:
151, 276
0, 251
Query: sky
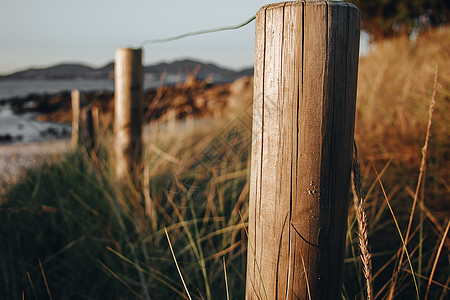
41, 33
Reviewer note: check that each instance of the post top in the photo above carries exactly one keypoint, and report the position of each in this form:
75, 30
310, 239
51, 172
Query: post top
327, 3
128, 49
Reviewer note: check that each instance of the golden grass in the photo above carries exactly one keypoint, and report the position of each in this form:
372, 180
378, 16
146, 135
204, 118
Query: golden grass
403, 126
200, 200
394, 87
361, 217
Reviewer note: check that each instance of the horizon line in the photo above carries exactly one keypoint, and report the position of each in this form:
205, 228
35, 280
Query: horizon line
99, 66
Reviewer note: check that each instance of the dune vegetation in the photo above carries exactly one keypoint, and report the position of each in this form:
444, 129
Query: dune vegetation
68, 231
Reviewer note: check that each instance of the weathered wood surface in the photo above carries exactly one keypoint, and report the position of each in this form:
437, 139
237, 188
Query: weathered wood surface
306, 63
75, 98
128, 112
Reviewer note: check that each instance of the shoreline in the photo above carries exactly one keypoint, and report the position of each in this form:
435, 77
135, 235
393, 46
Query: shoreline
37, 127
26, 127
17, 158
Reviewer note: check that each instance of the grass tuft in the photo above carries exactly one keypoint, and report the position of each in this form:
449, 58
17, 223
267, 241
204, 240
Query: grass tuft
96, 241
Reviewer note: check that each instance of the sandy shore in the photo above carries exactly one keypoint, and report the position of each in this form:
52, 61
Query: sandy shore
16, 158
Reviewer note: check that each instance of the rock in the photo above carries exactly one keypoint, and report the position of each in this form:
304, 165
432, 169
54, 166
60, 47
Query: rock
193, 97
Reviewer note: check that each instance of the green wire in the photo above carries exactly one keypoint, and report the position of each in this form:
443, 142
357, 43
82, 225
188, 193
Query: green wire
156, 41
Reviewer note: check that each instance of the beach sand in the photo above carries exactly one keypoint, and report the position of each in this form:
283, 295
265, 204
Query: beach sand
15, 159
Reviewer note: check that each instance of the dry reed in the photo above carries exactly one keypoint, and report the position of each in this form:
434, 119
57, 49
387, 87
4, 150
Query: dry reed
358, 201
419, 181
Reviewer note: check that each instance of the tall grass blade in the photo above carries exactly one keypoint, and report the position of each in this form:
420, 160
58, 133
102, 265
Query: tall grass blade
176, 263
119, 214
436, 259
151, 272
118, 278
445, 289
401, 237
200, 293
45, 280
201, 256
32, 285
443, 286
226, 279
421, 173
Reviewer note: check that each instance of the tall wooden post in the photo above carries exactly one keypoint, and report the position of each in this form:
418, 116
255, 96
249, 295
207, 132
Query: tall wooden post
128, 112
75, 118
306, 66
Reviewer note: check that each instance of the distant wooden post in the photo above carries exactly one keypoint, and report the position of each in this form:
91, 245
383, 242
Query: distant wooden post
96, 126
306, 65
92, 123
128, 112
83, 127
75, 118
79, 119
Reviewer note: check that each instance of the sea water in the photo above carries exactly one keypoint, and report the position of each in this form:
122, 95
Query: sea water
24, 128
21, 88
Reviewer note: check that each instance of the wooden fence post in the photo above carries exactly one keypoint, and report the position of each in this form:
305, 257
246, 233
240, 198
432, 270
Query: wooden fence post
79, 119
75, 118
306, 64
127, 112
93, 124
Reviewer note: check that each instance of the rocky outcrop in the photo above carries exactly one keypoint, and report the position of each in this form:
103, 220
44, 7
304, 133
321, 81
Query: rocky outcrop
193, 97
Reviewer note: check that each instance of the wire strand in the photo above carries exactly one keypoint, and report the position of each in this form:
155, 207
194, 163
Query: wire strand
181, 36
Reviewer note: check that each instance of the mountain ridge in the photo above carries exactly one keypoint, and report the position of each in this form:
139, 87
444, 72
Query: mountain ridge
179, 68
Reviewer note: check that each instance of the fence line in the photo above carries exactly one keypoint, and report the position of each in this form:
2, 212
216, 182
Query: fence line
306, 64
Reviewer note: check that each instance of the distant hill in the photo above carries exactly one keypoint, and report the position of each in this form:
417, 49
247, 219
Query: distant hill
63, 71
178, 68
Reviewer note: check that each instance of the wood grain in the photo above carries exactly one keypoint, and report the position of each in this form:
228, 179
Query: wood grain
306, 62
128, 95
75, 99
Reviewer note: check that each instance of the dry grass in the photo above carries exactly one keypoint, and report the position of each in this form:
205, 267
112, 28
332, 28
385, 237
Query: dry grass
195, 191
394, 87
361, 217
403, 103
